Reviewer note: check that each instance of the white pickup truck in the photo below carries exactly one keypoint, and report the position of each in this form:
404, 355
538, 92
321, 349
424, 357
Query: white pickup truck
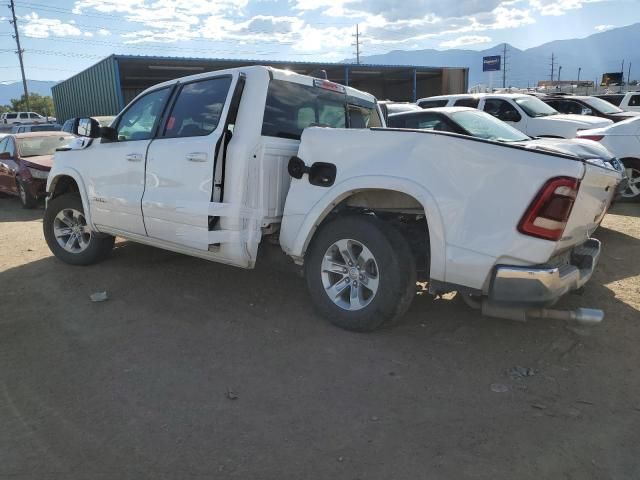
211, 164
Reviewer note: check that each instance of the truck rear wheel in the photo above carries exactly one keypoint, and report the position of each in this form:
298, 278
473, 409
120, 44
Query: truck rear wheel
68, 235
360, 273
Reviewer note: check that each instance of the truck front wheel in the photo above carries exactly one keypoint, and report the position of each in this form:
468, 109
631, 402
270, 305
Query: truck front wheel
360, 273
69, 237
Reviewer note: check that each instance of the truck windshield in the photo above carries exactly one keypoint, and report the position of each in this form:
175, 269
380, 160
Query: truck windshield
482, 125
601, 105
35, 146
534, 107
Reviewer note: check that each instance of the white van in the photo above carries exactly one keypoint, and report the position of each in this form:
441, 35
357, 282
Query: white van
13, 118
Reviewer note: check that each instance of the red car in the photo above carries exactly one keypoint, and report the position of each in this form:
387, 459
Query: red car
25, 161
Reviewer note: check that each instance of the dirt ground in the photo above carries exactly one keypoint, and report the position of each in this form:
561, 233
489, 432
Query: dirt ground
197, 370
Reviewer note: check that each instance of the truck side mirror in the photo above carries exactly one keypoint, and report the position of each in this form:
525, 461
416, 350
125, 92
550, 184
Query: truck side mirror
87, 127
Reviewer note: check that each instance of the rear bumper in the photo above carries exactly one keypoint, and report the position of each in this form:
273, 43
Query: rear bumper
542, 286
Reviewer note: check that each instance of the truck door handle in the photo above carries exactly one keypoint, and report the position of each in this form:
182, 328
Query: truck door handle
197, 157
134, 157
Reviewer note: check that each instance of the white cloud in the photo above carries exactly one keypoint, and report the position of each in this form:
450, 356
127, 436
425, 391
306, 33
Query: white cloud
36, 27
383, 23
465, 40
558, 7
604, 28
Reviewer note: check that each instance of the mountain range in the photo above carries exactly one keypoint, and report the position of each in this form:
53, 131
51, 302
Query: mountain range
594, 55
11, 90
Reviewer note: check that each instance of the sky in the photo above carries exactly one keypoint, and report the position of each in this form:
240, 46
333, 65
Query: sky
62, 37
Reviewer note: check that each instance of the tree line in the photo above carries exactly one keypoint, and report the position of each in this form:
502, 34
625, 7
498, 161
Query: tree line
37, 103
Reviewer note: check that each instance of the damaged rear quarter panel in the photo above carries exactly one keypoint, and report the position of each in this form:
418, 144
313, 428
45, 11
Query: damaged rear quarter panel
473, 193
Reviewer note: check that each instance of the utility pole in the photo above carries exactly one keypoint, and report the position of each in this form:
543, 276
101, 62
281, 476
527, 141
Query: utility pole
504, 67
19, 52
357, 44
621, 76
629, 77
553, 66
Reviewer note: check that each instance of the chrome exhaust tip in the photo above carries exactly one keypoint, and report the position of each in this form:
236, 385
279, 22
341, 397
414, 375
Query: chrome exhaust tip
583, 316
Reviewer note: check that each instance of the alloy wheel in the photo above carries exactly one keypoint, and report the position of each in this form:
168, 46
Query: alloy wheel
350, 274
71, 230
633, 187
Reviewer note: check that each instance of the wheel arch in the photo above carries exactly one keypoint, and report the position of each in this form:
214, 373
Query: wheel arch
69, 181
370, 193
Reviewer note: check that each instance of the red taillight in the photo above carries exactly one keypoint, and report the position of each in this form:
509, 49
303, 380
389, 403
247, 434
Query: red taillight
547, 215
595, 138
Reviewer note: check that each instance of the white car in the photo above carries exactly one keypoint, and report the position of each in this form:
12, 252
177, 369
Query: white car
622, 140
527, 113
209, 165
629, 102
19, 118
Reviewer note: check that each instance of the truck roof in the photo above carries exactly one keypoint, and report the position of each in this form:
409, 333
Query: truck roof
475, 95
280, 74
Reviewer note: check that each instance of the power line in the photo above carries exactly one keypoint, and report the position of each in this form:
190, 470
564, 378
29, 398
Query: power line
357, 44
19, 52
504, 67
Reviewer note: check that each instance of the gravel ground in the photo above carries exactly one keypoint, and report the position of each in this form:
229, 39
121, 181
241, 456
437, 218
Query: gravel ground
197, 370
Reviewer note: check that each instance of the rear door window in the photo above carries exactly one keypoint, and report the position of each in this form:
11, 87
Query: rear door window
24, 116
292, 107
198, 108
634, 101
11, 116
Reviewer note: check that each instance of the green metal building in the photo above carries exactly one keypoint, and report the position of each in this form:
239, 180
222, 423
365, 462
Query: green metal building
106, 87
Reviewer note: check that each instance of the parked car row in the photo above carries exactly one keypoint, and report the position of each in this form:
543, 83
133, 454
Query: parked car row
460, 199
563, 117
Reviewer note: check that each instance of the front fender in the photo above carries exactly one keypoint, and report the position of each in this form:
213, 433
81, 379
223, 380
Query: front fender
307, 206
59, 173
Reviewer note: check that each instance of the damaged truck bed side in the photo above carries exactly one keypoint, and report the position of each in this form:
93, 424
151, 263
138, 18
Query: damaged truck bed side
209, 165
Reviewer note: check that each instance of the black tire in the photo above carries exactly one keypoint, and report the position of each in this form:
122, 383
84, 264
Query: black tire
395, 266
631, 164
99, 244
26, 199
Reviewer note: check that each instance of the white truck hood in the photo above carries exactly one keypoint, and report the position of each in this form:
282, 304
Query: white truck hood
581, 121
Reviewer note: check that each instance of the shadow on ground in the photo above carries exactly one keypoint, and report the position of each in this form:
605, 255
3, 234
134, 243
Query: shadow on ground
198, 369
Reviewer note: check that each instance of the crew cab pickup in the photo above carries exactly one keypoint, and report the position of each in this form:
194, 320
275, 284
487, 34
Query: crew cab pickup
527, 113
629, 102
209, 165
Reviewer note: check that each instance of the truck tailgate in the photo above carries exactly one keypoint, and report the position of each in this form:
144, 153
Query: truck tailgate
597, 188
